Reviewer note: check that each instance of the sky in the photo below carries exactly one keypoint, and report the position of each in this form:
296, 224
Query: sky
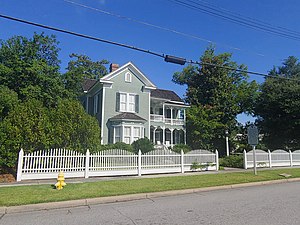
124, 21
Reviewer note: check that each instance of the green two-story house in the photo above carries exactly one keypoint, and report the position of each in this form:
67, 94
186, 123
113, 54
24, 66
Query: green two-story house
129, 106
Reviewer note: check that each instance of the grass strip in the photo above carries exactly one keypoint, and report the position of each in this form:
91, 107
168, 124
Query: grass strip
23, 195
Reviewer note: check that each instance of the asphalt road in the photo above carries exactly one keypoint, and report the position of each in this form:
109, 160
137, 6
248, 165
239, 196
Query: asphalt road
275, 204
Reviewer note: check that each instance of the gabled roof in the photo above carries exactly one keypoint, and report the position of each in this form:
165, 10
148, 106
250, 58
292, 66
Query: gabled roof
166, 94
127, 116
88, 84
107, 78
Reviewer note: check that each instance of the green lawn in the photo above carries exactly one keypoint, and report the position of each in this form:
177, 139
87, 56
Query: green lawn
22, 195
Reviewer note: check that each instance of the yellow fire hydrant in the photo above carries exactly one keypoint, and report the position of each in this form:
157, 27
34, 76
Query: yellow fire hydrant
60, 181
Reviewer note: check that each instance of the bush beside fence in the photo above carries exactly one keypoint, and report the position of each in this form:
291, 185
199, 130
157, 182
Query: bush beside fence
115, 162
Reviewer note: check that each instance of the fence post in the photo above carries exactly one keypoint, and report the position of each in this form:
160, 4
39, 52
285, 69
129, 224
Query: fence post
140, 163
291, 157
20, 165
217, 160
270, 158
245, 160
182, 161
87, 164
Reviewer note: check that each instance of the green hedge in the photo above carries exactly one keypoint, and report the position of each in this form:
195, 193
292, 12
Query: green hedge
235, 161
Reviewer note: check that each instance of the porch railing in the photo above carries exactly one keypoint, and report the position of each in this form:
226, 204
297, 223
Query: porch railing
160, 118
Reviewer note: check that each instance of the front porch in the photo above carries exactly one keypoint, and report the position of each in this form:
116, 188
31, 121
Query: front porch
167, 136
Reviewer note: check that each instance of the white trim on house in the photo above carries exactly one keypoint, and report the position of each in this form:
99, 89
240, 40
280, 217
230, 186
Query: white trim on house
133, 69
132, 137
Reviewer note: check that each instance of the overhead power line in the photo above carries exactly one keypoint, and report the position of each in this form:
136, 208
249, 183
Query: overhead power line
81, 35
237, 19
159, 27
167, 58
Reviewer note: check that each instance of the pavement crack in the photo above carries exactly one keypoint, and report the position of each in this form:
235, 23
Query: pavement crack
69, 212
150, 199
2, 216
128, 217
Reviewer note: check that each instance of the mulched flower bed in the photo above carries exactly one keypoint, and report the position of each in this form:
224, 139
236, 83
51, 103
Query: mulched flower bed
7, 178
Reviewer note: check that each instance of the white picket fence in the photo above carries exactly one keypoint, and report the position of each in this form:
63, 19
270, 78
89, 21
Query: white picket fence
48, 163
272, 159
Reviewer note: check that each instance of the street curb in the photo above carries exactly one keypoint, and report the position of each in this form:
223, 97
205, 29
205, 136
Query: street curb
131, 197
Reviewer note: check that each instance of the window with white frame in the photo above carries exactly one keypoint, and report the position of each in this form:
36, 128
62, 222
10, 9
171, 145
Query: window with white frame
128, 77
127, 102
123, 102
118, 137
136, 133
127, 134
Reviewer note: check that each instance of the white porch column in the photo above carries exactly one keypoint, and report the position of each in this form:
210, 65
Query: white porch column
171, 115
123, 128
163, 112
184, 131
171, 129
163, 130
154, 135
114, 136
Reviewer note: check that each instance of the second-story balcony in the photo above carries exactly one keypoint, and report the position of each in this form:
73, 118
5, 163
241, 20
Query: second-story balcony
160, 118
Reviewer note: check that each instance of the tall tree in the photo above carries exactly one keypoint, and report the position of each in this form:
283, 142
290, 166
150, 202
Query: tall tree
278, 106
218, 92
80, 68
30, 67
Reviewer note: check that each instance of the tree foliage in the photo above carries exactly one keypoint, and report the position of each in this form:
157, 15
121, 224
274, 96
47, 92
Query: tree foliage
278, 107
35, 109
81, 68
30, 67
217, 95
31, 126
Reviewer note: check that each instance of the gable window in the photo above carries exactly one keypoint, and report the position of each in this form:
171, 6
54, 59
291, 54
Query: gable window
128, 77
127, 102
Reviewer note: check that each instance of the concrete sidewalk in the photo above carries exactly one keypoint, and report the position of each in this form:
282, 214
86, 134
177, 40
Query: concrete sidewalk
97, 179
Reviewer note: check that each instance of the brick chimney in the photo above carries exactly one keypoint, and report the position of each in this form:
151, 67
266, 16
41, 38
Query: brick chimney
113, 67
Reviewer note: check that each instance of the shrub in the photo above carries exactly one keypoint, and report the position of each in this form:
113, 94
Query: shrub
177, 148
235, 161
118, 145
144, 144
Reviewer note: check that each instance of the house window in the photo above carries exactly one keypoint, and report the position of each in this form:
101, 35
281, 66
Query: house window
128, 102
127, 135
136, 133
128, 77
117, 134
123, 102
131, 103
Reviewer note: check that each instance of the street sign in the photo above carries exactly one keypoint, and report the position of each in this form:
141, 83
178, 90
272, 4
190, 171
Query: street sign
252, 135
253, 141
